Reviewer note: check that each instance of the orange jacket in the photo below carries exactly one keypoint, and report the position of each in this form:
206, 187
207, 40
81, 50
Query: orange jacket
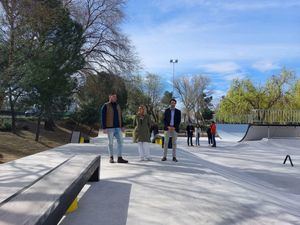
213, 128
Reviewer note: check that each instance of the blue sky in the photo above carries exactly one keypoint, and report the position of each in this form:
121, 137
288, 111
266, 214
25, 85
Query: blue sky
222, 39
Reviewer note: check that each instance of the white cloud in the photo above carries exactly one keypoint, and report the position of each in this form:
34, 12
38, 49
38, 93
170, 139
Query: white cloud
237, 75
221, 67
216, 41
265, 65
259, 5
202, 37
236, 5
219, 93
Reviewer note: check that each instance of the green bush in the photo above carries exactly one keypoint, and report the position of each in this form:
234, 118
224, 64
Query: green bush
128, 121
5, 126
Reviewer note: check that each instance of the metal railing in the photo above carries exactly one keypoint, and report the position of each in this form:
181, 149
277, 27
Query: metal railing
233, 119
275, 116
264, 116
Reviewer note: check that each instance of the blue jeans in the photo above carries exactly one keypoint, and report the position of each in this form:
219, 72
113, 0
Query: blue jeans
213, 136
197, 139
111, 133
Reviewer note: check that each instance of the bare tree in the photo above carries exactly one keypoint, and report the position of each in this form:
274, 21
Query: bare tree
186, 94
136, 94
106, 47
10, 29
202, 95
153, 90
192, 92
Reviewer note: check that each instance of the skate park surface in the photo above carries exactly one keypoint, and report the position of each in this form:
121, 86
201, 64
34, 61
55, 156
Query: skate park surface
252, 132
235, 183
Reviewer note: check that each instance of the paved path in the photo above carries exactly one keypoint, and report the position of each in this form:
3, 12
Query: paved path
192, 191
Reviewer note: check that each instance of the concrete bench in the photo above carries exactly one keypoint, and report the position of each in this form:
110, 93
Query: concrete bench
37, 192
75, 137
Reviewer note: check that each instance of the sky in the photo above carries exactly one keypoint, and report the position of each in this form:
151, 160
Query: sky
221, 39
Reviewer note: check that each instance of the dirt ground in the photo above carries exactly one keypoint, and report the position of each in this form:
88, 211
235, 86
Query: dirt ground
14, 146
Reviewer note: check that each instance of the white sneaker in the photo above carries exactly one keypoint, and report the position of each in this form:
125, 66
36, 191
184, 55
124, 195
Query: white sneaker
149, 159
142, 159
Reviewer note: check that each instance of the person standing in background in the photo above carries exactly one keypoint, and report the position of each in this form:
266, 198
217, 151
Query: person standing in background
189, 132
197, 134
213, 130
208, 131
154, 131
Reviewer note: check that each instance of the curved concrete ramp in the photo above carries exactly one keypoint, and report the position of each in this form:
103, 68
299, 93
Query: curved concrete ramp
258, 132
245, 132
232, 132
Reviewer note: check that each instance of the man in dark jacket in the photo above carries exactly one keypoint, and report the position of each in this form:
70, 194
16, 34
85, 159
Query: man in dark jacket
112, 124
189, 132
172, 119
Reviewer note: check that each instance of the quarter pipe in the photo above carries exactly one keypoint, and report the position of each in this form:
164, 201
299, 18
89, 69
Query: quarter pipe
251, 132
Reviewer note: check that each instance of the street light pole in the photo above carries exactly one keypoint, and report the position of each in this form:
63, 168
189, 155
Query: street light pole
173, 61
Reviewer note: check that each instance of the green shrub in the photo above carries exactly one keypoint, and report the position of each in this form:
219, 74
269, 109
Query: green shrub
128, 121
6, 126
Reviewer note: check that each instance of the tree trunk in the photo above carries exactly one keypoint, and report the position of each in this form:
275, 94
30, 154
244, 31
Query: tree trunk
13, 114
11, 55
90, 131
37, 132
2, 96
49, 124
76, 126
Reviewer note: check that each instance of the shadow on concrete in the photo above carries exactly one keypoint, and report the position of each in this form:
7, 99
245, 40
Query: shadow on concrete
105, 202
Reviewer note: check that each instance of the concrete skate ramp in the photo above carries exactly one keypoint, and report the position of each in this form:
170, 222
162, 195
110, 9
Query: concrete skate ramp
232, 132
244, 132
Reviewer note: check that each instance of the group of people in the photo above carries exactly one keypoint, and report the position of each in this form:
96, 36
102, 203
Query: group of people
112, 124
211, 134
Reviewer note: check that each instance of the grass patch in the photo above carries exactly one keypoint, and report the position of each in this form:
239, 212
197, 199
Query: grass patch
14, 146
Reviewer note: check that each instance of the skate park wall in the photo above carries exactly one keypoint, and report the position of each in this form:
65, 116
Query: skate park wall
251, 132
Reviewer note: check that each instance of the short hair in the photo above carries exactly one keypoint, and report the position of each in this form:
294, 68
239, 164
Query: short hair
112, 93
173, 99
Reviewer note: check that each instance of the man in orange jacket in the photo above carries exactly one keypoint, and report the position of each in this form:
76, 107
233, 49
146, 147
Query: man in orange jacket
213, 130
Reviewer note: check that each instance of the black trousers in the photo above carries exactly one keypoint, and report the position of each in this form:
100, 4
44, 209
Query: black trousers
190, 140
213, 137
210, 141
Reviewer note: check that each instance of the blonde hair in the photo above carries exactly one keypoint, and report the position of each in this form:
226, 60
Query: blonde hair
139, 110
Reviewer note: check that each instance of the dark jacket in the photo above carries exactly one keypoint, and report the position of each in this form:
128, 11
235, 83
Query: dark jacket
208, 131
154, 129
167, 119
190, 130
111, 116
